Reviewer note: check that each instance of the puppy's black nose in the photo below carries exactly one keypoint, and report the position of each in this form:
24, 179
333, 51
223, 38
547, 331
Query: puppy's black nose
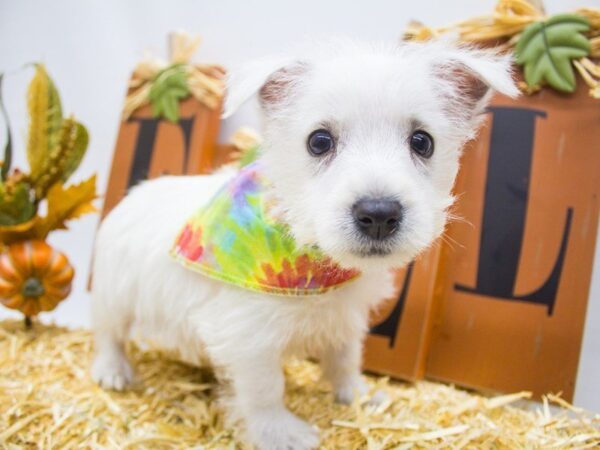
377, 218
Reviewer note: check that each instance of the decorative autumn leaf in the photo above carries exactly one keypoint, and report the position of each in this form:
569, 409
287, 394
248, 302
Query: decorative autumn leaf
75, 155
45, 120
14, 233
55, 149
16, 203
64, 157
66, 204
546, 49
168, 88
7, 161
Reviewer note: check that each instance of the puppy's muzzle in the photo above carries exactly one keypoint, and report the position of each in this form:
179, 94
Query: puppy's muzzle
377, 218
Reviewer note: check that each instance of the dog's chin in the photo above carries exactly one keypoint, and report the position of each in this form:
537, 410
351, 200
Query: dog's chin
371, 255
372, 251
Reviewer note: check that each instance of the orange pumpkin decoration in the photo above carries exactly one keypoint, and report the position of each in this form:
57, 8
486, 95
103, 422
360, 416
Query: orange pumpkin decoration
34, 277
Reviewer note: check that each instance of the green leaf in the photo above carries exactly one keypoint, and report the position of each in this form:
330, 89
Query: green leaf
45, 120
73, 159
16, 204
168, 88
546, 49
7, 162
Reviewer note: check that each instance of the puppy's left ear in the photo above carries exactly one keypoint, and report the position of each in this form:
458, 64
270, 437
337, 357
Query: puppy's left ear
474, 75
271, 78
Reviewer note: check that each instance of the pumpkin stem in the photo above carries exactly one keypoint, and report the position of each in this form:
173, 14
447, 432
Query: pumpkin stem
32, 287
28, 322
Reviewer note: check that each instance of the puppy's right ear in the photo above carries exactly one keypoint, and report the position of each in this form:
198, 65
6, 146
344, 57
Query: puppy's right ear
273, 79
474, 74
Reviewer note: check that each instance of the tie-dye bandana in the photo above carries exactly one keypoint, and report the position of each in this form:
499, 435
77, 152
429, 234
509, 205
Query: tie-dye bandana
235, 239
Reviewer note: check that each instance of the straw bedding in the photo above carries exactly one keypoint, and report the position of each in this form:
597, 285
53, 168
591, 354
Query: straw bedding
48, 401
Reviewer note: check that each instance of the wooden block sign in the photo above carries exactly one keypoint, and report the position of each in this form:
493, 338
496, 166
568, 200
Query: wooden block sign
148, 147
514, 291
401, 330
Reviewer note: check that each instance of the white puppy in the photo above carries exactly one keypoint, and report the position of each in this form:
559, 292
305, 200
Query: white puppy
361, 145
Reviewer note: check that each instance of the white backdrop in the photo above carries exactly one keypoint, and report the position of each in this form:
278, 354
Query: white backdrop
91, 46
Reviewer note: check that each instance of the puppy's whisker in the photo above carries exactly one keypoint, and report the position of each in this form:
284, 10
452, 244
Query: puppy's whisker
451, 218
452, 215
451, 241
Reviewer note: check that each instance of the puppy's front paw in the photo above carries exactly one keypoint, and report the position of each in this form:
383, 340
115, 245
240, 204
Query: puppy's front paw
346, 392
281, 430
112, 371
379, 397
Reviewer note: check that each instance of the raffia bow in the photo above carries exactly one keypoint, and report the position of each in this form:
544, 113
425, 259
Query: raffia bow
204, 81
506, 24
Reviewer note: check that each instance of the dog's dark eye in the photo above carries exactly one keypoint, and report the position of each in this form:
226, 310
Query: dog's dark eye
320, 142
422, 144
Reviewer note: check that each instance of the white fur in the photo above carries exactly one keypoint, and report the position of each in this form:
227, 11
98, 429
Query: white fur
372, 96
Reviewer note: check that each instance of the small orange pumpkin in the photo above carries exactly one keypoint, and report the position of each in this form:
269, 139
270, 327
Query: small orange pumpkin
34, 277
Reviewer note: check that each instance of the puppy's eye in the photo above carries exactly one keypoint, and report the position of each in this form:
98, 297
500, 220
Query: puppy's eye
422, 144
320, 142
